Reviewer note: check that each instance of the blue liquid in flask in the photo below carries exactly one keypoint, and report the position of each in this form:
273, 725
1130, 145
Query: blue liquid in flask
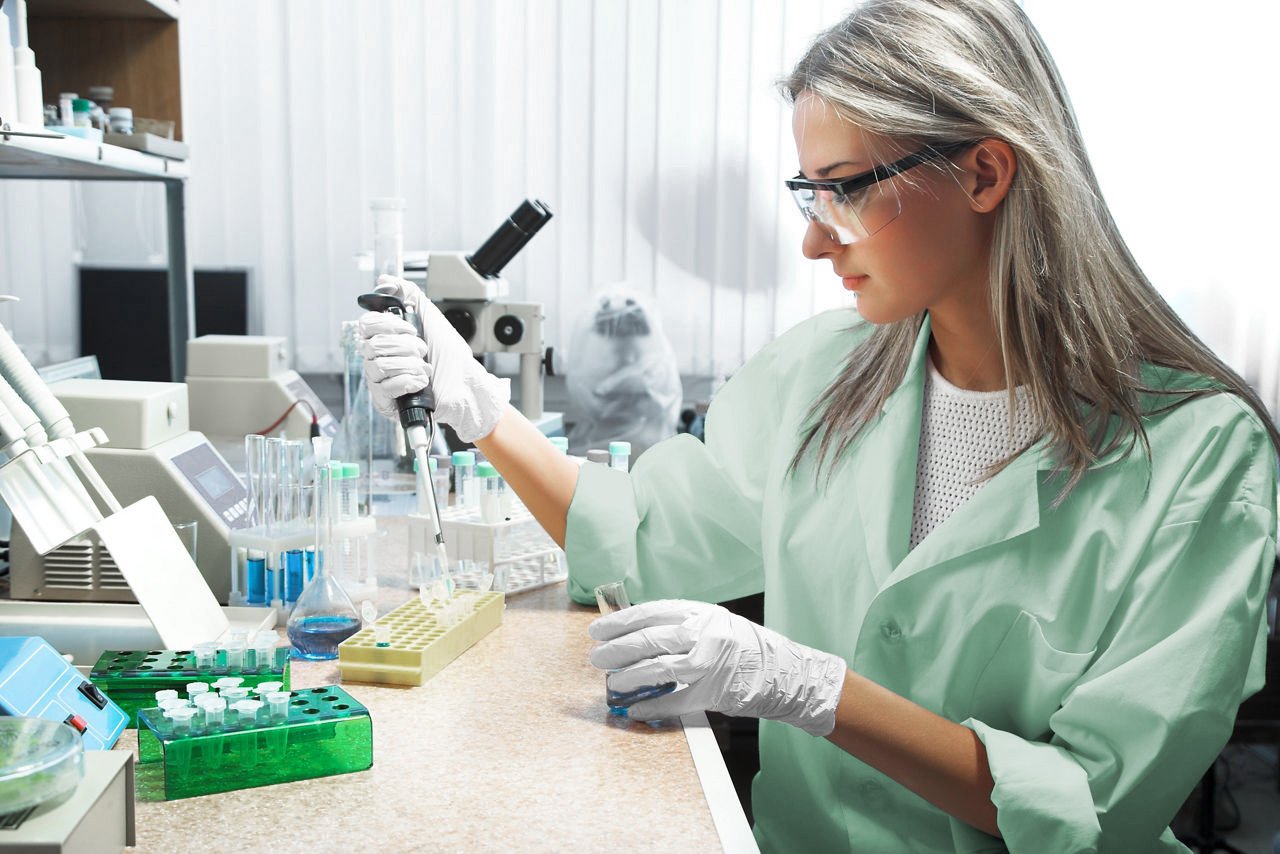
317, 638
619, 700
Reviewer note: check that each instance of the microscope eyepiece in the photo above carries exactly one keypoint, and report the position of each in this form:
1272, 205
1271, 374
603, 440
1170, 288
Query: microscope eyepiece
510, 237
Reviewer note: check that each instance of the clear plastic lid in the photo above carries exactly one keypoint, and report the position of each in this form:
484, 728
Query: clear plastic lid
40, 761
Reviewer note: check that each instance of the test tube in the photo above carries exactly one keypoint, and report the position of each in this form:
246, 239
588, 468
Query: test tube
490, 488
382, 634
181, 717
206, 655
196, 689
440, 473
214, 708
620, 455
264, 651
235, 654
248, 711
278, 705
464, 488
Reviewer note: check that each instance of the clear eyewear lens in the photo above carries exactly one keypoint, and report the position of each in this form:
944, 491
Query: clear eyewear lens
849, 219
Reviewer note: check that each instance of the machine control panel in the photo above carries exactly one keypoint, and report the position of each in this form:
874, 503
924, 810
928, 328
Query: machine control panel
216, 483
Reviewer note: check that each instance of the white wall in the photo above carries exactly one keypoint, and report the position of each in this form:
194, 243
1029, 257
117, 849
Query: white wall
652, 129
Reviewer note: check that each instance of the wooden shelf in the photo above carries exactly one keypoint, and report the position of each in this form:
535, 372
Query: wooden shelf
162, 10
73, 158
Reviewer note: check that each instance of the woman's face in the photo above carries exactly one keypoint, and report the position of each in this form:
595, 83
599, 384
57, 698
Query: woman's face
934, 254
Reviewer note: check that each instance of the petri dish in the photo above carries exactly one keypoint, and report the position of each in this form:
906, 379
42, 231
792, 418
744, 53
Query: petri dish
40, 761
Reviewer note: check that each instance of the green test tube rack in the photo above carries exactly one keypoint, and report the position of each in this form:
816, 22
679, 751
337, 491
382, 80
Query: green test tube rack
420, 645
326, 732
131, 678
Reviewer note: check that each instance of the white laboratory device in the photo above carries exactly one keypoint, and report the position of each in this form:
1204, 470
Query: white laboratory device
150, 451
240, 384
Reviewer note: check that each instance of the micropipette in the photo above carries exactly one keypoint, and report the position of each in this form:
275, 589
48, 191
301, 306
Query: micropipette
415, 416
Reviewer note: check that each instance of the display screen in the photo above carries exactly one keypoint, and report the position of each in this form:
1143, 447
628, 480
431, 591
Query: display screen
215, 482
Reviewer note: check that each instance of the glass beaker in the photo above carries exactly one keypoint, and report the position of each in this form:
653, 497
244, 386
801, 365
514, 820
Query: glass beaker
613, 597
324, 615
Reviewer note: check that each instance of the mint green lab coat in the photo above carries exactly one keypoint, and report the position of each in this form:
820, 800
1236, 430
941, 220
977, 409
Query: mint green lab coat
1099, 650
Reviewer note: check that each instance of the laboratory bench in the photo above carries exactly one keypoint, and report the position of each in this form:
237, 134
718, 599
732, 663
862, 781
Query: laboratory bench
510, 747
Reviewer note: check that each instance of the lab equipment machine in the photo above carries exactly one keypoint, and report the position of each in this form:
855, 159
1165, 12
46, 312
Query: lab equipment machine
472, 294
35, 681
150, 451
46, 482
96, 815
212, 745
244, 384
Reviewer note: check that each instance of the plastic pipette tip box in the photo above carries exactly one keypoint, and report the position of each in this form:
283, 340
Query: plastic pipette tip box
132, 678
326, 732
420, 646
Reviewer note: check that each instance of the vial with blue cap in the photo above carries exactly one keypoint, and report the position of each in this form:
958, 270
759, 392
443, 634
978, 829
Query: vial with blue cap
620, 455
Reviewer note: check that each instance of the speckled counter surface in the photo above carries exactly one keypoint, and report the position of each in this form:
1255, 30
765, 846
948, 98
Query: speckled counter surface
510, 747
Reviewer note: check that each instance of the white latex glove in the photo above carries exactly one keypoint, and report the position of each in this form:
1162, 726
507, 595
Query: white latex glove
730, 665
398, 362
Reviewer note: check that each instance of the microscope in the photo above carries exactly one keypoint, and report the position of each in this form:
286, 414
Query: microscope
472, 295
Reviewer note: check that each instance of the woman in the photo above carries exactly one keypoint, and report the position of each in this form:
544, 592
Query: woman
1014, 524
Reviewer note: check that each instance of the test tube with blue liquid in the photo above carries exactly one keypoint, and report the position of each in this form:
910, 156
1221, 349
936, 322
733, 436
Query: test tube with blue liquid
277, 506
255, 461
292, 517
613, 597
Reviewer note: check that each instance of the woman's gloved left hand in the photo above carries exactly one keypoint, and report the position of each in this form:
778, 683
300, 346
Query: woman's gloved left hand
730, 665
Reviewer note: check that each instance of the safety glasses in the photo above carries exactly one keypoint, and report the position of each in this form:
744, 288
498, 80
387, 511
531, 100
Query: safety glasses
855, 208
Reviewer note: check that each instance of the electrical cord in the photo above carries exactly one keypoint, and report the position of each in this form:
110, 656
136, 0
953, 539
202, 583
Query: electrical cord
315, 422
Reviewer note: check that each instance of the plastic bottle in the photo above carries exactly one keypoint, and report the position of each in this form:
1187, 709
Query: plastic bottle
81, 109
620, 455
121, 119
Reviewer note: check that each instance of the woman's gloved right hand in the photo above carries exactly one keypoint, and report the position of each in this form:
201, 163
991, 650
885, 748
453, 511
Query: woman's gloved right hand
397, 362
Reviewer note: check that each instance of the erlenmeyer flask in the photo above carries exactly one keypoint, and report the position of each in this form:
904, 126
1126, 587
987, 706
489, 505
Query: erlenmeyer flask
324, 616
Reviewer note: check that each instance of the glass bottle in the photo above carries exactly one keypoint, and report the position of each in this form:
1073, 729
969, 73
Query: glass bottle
324, 615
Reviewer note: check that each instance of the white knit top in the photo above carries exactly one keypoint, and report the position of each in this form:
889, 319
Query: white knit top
962, 432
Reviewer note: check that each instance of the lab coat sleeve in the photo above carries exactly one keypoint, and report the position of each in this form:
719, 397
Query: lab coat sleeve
686, 521
1184, 647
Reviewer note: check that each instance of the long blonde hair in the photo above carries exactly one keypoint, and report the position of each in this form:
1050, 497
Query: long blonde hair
1075, 315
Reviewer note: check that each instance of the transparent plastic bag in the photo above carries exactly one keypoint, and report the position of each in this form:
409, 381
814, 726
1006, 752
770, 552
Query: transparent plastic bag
621, 373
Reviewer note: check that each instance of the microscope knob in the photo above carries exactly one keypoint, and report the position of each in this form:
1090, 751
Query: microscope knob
508, 330
548, 362
463, 321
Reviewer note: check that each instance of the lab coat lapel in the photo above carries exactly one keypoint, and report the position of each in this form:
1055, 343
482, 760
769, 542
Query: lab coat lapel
1005, 507
885, 469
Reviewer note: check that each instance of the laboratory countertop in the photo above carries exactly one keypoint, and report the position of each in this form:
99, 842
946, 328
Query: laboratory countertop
510, 747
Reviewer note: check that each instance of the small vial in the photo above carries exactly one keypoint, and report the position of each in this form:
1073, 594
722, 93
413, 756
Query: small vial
206, 655
196, 689
620, 455
181, 717
234, 695
235, 654
264, 651
167, 694
173, 703
598, 455
248, 711
440, 465
214, 710
464, 486
382, 634
278, 705
265, 688
561, 443
227, 682
66, 115
491, 489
